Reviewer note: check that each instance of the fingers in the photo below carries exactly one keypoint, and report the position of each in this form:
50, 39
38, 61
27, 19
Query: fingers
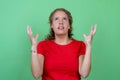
29, 31
36, 37
84, 36
93, 30
28, 28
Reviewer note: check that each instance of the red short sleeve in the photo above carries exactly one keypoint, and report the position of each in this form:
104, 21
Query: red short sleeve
82, 48
40, 48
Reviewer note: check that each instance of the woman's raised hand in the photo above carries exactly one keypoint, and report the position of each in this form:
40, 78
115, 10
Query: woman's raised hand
31, 36
88, 39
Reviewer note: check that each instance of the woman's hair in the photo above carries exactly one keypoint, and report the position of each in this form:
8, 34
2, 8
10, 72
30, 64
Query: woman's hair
51, 35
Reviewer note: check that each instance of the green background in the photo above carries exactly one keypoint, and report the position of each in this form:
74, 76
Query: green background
15, 15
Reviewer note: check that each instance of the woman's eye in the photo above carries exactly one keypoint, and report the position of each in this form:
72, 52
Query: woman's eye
56, 18
65, 18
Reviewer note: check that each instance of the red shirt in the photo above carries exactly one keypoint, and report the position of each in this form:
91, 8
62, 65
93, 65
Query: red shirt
61, 61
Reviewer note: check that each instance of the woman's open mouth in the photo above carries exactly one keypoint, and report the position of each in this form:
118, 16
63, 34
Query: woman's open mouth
60, 27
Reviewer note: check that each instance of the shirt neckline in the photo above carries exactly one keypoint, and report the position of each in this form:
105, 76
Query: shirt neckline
63, 44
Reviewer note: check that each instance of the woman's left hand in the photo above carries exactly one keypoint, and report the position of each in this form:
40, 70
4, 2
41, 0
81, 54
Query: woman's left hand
88, 39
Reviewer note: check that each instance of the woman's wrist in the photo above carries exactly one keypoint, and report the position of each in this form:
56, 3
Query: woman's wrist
89, 45
33, 49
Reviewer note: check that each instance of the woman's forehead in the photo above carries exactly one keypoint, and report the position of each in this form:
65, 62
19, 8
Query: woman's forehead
60, 14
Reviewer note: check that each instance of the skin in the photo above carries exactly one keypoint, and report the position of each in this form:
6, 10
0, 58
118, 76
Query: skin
60, 19
85, 60
37, 60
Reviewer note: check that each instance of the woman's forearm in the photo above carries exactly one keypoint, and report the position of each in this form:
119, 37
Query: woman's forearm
86, 64
36, 64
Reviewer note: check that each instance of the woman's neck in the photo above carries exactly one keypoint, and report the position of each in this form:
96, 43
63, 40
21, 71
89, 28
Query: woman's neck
62, 40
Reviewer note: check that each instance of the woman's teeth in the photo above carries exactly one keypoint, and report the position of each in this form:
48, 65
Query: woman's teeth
60, 27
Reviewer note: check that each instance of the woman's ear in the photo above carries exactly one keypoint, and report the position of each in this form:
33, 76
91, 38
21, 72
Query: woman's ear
51, 26
68, 27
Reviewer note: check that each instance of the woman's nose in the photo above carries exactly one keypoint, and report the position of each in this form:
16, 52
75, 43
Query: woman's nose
60, 21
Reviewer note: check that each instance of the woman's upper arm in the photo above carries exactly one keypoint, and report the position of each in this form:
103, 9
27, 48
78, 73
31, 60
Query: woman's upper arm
41, 57
41, 60
81, 58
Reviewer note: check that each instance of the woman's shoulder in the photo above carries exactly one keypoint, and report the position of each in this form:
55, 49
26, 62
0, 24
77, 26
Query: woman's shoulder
43, 41
78, 41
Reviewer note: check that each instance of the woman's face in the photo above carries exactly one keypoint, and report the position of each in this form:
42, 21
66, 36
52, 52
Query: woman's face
60, 23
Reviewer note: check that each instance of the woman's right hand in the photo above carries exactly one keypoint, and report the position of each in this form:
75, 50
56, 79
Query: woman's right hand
31, 36
36, 60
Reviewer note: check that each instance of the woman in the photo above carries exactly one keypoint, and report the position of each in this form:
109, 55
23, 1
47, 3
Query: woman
59, 56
